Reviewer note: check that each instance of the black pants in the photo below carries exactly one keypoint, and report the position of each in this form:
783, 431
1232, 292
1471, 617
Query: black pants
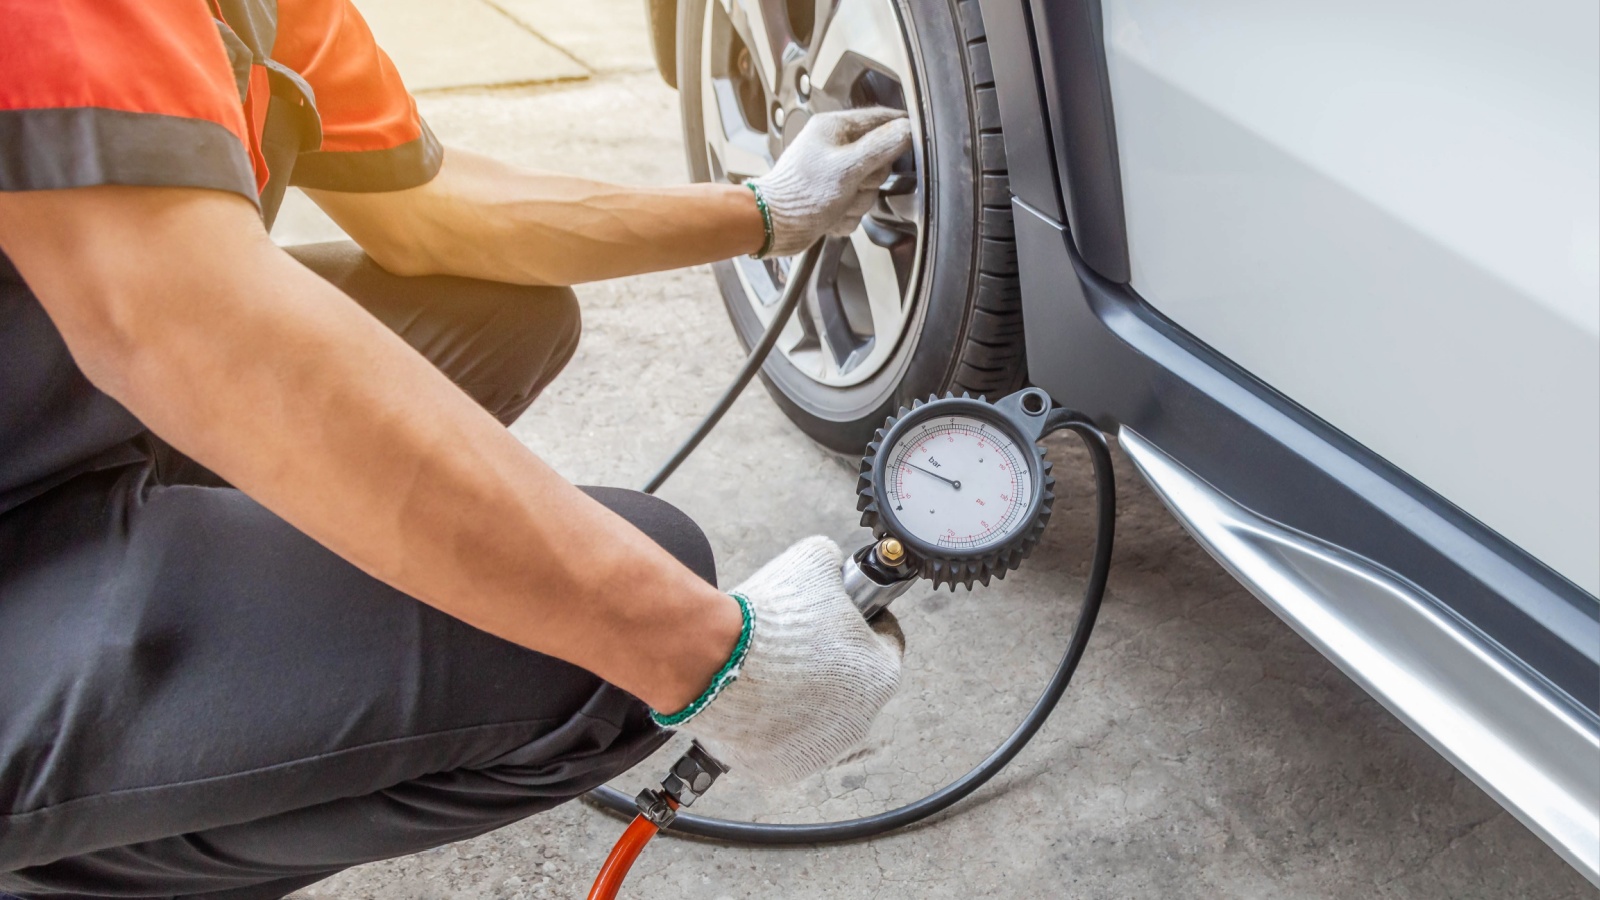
198, 700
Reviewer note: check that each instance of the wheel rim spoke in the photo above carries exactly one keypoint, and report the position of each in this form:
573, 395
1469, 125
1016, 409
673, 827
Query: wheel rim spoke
858, 33
764, 27
882, 277
836, 293
740, 150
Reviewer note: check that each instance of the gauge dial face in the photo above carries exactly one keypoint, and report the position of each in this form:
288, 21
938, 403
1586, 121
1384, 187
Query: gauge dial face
959, 483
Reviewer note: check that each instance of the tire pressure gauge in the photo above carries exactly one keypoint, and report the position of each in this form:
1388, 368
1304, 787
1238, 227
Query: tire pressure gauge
961, 483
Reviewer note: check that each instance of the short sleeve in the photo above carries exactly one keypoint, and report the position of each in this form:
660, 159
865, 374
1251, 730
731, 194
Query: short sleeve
372, 136
126, 92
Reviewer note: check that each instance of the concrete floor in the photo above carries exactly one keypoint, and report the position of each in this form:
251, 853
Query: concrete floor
1203, 751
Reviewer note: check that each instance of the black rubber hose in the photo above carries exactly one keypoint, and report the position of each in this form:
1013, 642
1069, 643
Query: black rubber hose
872, 826
793, 290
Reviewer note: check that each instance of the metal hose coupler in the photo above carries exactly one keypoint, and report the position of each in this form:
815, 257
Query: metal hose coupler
692, 775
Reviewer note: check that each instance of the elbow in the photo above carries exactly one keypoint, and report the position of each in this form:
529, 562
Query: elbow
104, 338
132, 341
116, 270
398, 256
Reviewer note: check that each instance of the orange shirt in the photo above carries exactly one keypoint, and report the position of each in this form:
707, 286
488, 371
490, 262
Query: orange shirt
180, 93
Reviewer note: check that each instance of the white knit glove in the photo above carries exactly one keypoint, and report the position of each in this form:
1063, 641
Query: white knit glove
827, 179
813, 679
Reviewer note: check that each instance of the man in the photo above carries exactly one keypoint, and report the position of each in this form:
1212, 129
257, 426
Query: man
278, 594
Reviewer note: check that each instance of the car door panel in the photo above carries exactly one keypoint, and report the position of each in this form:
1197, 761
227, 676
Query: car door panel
1387, 213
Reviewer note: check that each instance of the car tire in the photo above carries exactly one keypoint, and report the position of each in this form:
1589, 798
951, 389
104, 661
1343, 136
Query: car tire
661, 16
964, 330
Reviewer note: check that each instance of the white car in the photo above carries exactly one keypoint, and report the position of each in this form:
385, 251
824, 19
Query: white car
1330, 271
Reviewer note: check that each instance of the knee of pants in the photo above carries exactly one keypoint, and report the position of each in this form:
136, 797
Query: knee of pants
540, 338
550, 322
663, 523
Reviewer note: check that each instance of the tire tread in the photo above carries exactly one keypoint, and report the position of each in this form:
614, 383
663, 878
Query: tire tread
992, 359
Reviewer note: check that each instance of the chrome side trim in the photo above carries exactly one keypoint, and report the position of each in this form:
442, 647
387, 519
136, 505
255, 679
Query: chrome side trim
1528, 746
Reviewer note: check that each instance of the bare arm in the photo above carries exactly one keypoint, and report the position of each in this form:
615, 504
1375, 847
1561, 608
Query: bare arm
175, 302
483, 218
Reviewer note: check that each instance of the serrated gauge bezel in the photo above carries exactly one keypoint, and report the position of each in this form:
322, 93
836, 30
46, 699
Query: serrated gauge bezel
948, 565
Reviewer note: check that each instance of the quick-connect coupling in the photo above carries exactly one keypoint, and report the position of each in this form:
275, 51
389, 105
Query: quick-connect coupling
692, 775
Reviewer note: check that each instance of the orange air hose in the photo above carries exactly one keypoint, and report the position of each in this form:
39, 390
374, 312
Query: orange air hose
627, 849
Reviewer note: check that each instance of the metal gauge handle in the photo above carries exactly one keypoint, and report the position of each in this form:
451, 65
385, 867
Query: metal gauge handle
876, 574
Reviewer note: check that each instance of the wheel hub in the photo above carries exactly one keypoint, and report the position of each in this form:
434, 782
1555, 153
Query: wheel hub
794, 120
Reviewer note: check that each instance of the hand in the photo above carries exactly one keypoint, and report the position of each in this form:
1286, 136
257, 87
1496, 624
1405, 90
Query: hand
813, 679
827, 179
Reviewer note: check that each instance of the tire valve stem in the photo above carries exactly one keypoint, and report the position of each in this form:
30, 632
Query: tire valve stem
691, 776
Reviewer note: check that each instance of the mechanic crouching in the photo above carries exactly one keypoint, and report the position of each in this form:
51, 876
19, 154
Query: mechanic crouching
279, 593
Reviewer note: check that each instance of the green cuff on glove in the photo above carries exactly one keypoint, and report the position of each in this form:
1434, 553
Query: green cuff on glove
766, 219
728, 674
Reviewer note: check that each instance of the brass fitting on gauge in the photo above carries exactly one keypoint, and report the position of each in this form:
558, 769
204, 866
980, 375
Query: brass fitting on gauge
891, 553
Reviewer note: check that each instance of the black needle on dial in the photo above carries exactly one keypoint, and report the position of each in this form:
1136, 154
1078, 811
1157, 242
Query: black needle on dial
950, 481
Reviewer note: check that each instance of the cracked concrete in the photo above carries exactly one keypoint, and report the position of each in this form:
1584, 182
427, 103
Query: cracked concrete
1203, 751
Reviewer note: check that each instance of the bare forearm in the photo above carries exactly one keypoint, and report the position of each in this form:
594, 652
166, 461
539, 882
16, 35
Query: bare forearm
281, 384
356, 440
483, 218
